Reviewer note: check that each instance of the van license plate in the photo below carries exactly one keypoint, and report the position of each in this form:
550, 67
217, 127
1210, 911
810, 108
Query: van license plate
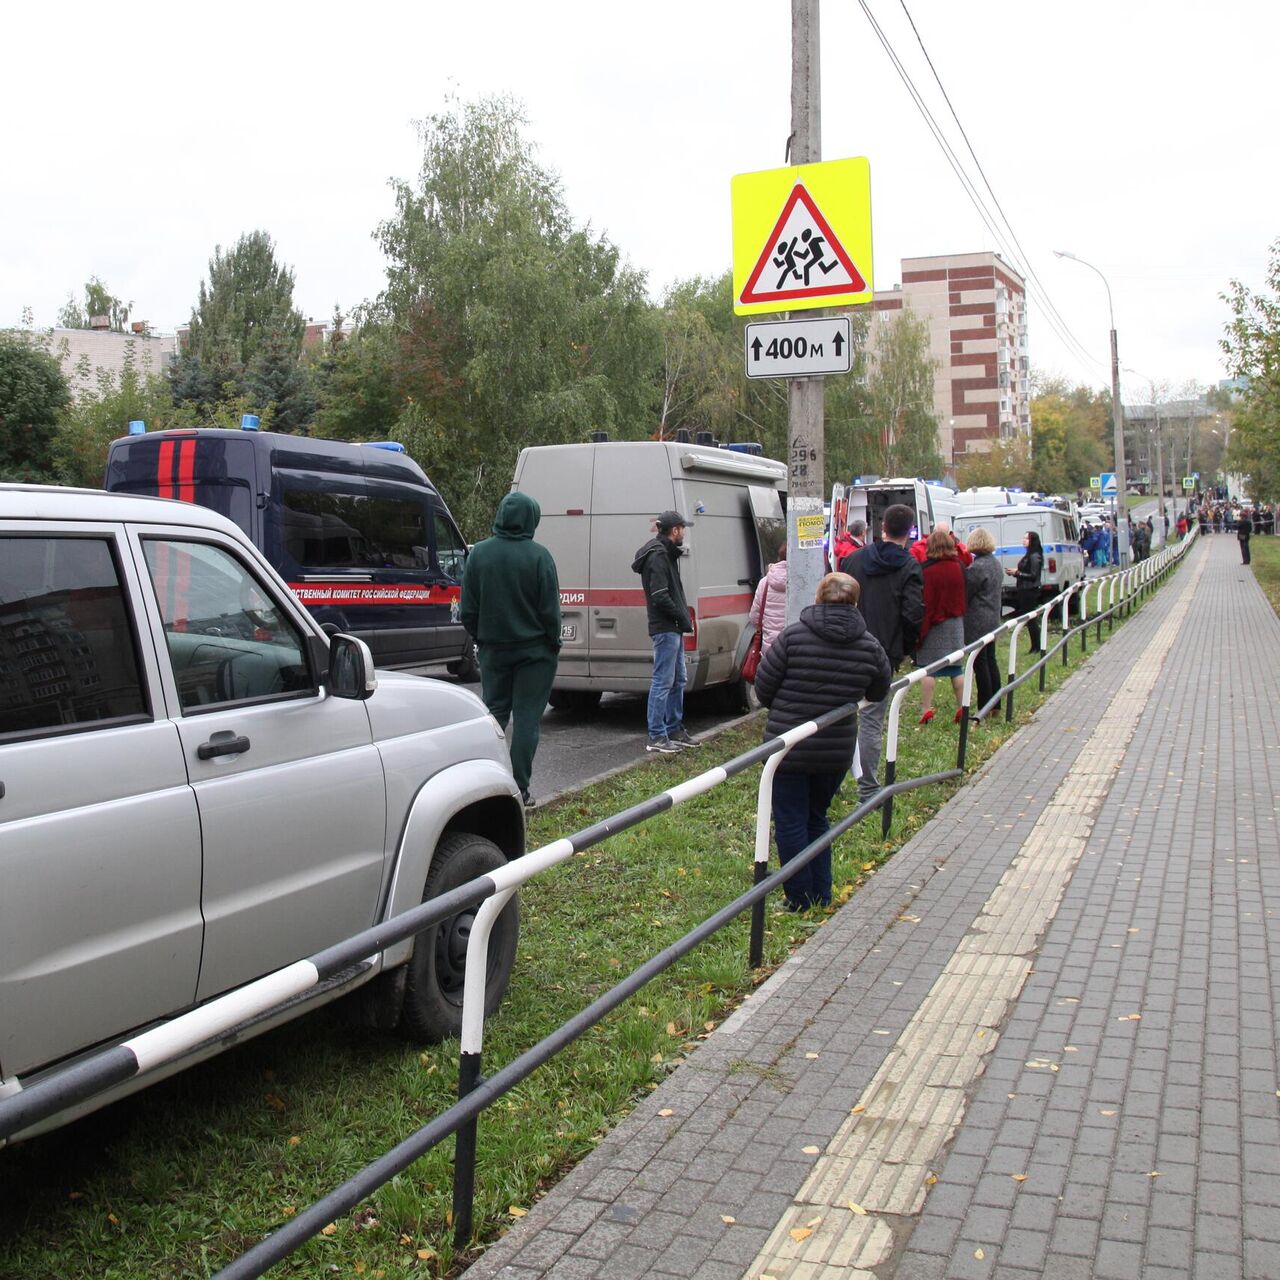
568, 631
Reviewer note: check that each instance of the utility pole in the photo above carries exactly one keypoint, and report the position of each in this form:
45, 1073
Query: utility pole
1159, 472
1117, 414
806, 398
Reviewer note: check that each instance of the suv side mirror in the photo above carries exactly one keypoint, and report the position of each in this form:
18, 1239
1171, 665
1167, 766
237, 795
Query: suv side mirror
351, 673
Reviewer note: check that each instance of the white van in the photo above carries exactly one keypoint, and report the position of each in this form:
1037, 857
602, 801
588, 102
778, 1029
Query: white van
599, 502
930, 502
1064, 561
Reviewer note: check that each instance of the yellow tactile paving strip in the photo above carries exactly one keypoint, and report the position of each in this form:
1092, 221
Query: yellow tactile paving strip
879, 1164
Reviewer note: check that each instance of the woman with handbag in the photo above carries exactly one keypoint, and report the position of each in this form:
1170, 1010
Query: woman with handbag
769, 607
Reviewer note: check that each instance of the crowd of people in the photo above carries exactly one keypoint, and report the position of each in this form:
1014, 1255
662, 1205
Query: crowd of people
891, 599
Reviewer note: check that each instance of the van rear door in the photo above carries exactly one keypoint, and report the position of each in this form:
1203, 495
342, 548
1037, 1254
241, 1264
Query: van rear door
560, 480
210, 471
632, 484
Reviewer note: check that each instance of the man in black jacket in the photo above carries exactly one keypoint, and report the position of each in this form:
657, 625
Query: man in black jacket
892, 601
669, 622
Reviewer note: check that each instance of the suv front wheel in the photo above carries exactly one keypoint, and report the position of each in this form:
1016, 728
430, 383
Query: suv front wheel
434, 981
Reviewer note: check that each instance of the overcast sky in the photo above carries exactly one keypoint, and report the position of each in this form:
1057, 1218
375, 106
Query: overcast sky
1139, 135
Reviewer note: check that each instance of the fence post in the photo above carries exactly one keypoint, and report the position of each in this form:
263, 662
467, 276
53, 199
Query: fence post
966, 694
1013, 667
464, 1154
891, 756
764, 810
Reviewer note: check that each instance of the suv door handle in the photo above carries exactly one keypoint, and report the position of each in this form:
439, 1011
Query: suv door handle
225, 743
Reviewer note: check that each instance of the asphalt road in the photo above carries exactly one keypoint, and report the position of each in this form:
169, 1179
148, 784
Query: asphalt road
578, 745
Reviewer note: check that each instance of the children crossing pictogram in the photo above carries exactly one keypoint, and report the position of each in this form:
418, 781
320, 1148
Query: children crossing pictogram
803, 258
802, 237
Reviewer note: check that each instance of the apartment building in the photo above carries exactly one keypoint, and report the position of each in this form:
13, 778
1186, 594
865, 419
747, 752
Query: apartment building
85, 353
975, 305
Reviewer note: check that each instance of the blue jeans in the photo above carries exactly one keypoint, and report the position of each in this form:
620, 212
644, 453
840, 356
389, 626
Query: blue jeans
666, 692
800, 804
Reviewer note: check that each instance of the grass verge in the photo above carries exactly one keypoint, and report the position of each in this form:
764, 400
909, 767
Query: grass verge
180, 1179
1264, 555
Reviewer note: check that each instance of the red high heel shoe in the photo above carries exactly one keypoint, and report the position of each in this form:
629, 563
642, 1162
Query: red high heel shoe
928, 715
959, 713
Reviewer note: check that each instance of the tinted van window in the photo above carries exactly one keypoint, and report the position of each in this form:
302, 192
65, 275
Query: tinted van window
327, 530
68, 654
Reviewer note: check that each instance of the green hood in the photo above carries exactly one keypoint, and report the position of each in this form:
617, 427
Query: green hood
518, 516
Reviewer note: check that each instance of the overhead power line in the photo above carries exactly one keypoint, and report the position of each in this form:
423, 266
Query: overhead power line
1034, 285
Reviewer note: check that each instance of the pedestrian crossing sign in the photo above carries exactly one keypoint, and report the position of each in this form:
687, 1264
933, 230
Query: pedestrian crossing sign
802, 237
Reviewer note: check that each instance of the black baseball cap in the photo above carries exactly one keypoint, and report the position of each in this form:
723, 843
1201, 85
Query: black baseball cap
669, 519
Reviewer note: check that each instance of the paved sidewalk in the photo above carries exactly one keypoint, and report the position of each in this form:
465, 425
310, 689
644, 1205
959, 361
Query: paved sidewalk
1041, 1042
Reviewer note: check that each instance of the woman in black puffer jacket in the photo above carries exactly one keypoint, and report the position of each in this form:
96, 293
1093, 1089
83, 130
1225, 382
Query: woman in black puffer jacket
823, 661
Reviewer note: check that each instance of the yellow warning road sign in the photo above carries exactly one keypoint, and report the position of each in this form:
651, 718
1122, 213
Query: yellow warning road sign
802, 237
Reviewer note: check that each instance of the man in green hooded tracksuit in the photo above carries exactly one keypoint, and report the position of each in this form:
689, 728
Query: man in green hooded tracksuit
511, 607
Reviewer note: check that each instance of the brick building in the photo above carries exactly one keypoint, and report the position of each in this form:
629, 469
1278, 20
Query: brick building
975, 305
84, 353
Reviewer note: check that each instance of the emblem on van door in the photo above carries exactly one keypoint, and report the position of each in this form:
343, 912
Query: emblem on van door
568, 631
454, 613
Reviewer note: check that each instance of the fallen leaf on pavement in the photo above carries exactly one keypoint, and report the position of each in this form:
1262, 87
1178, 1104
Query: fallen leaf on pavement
811, 1151
800, 1233
330, 1230
857, 1208
1018, 1177
728, 1219
516, 1212
666, 1111
977, 1253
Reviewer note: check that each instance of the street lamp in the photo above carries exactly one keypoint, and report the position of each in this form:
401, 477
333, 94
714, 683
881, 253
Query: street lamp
1117, 415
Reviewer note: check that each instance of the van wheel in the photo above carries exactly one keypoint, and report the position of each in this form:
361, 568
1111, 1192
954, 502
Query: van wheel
574, 699
433, 986
467, 667
737, 696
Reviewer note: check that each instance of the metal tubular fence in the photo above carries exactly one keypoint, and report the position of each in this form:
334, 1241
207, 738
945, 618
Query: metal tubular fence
224, 1017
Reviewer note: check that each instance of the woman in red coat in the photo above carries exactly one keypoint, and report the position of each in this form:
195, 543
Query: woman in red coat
942, 631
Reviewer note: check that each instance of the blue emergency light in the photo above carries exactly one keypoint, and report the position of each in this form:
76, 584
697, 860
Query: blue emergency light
393, 446
249, 422
137, 427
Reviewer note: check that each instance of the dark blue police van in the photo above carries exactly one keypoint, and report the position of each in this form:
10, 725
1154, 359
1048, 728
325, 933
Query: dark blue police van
358, 531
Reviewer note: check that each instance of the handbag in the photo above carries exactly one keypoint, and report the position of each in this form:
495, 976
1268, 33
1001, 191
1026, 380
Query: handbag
751, 663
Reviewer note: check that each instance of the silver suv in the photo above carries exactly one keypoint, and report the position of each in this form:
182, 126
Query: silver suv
189, 800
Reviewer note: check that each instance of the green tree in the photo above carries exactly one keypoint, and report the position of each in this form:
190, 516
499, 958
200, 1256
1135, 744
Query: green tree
1068, 436
277, 379
900, 388
1251, 343
246, 304
99, 415
1007, 463
33, 392
98, 301
540, 331
358, 396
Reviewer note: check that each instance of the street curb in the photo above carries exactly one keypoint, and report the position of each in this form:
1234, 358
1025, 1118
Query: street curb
705, 736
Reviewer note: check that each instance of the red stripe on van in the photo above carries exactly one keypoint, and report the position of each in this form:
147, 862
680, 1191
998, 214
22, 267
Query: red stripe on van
187, 471
723, 606
708, 606
164, 470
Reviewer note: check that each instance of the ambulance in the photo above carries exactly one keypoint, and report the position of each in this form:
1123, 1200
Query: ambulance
599, 502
